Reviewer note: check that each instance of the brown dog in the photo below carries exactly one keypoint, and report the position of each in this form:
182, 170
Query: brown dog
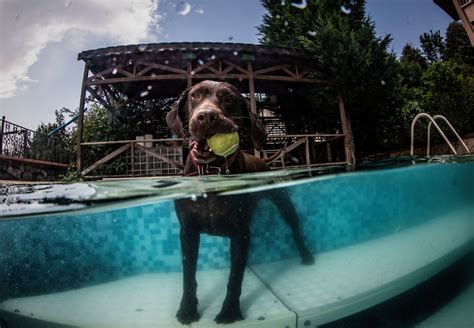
205, 109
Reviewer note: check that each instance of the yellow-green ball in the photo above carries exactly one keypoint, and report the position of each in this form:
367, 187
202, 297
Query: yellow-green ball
224, 144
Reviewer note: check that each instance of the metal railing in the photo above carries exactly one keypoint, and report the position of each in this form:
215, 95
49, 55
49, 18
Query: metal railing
432, 121
18, 141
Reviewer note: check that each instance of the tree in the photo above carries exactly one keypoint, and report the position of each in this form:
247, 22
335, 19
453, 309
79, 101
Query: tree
458, 46
340, 37
432, 46
447, 89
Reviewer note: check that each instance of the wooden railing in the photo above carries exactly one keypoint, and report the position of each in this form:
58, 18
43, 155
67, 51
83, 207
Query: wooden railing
149, 157
289, 144
158, 157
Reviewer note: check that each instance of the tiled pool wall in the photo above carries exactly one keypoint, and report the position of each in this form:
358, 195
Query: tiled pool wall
55, 253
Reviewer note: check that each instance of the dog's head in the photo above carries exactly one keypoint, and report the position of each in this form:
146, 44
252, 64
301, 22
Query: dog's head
211, 107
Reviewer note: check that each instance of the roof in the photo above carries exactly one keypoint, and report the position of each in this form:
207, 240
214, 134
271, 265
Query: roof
183, 47
448, 7
177, 56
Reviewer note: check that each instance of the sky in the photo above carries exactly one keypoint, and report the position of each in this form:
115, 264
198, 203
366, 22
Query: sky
39, 70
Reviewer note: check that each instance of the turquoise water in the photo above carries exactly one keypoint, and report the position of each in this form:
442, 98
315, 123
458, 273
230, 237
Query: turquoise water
112, 230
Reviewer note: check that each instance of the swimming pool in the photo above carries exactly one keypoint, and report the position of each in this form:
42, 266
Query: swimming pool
112, 259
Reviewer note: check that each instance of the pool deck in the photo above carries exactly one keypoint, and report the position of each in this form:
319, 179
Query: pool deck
279, 294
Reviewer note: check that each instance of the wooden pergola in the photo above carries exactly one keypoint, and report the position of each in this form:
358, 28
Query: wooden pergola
121, 76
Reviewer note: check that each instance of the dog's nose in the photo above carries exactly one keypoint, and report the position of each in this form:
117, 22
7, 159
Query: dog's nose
207, 116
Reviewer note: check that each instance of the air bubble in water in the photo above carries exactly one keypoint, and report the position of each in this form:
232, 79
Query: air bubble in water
114, 71
346, 10
183, 8
144, 94
300, 5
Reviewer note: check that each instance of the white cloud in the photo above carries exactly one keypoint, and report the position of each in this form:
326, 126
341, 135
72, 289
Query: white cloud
29, 26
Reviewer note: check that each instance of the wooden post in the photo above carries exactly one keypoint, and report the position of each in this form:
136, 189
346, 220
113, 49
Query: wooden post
2, 129
80, 122
347, 130
189, 75
253, 103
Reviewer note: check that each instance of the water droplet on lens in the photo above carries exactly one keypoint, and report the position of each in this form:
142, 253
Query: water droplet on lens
200, 62
149, 87
382, 82
193, 72
183, 8
114, 71
142, 47
312, 33
277, 16
236, 53
300, 5
144, 94
167, 62
346, 10
213, 57
286, 23
193, 198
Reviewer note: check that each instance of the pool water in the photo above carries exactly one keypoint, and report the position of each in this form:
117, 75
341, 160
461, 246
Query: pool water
400, 222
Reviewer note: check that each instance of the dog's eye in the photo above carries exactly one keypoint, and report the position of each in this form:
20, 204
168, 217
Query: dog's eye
196, 95
228, 99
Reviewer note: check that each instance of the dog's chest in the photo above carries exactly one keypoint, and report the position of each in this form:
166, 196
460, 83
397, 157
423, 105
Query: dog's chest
215, 215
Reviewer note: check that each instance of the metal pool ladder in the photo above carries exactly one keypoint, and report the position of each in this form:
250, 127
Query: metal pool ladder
433, 122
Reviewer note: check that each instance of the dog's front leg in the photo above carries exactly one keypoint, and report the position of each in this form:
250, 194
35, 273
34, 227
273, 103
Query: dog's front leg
187, 312
239, 247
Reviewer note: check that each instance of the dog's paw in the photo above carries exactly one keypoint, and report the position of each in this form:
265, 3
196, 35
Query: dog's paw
187, 315
307, 259
229, 315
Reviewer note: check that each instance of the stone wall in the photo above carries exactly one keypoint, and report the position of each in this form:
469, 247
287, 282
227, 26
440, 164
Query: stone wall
15, 168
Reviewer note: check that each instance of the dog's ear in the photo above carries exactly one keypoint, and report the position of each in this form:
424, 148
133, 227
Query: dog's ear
258, 133
177, 116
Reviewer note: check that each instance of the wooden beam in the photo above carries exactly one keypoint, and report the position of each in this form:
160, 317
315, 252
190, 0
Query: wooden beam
189, 76
346, 128
271, 69
98, 97
207, 66
106, 158
80, 121
237, 67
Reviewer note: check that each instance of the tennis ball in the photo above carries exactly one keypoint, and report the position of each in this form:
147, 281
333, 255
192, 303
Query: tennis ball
224, 144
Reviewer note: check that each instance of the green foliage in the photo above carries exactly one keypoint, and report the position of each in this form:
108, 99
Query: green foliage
57, 148
447, 89
433, 46
458, 46
342, 40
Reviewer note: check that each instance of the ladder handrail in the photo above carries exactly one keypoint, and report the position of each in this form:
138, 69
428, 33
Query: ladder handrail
417, 117
452, 129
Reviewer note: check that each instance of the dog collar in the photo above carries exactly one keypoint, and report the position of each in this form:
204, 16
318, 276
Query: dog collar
208, 169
